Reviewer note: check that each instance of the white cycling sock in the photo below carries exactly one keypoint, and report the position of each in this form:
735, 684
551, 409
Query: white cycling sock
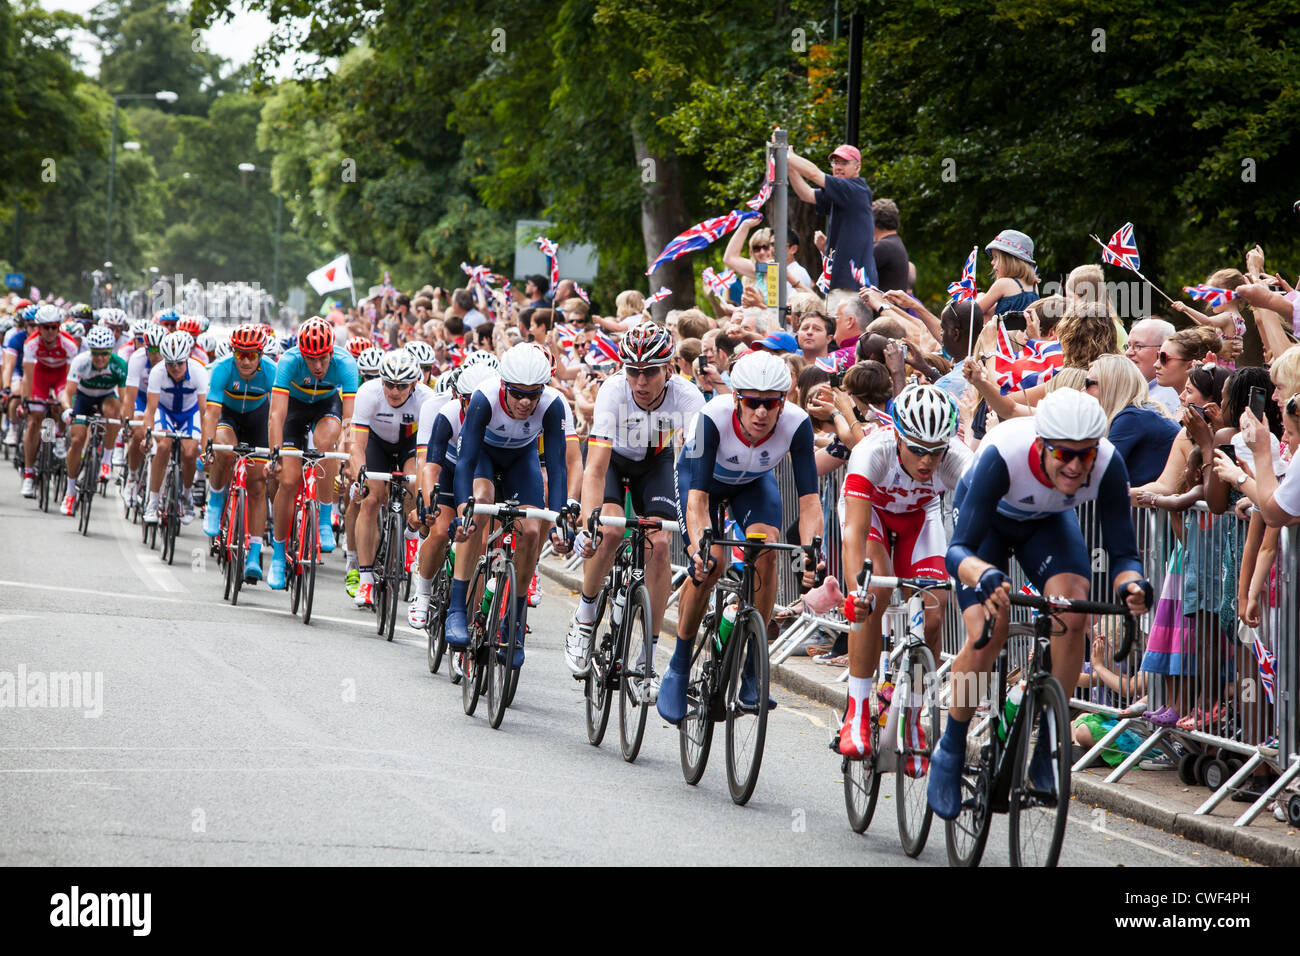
187, 494
107, 457
859, 690
153, 499
350, 562
586, 609
72, 485
367, 576
423, 585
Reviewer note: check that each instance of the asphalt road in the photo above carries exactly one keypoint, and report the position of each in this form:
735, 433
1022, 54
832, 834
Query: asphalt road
240, 736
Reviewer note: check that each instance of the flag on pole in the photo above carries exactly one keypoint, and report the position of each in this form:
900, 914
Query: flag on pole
717, 283
700, 236
859, 274
663, 293
1122, 250
582, 293
565, 334
765, 191
1004, 346
605, 346
1267, 666
552, 252
1034, 365
336, 274
1213, 296
824, 280
965, 288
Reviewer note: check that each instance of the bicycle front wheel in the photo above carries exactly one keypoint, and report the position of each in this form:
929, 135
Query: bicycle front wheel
598, 687
696, 729
966, 834
437, 627
84, 497
236, 555
471, 684
636, 668
918, 730
310, 557
393, 568
747, 704
1039, 801
502, 641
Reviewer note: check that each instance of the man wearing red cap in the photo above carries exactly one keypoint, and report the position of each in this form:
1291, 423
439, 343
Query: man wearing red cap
845, 198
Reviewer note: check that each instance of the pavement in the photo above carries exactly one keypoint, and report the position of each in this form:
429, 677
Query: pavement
1158, 799
207, 734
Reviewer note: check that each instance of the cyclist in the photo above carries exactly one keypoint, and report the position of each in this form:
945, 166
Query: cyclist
238, 405
1019, 498
441, 418
136, 400
95, 380
47, 354
315, 385
116, 320
732, 449
384, 430
637, 414
424, 356
83, 315
891, 515
11, 372
498, 451
178, 386
168, 319
78, 333
368, 360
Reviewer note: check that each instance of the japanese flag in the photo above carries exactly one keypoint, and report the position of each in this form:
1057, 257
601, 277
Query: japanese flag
336, 275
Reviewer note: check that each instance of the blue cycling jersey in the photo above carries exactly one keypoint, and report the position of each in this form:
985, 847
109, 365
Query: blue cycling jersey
14, 344
509, 446
293, 378
227, 387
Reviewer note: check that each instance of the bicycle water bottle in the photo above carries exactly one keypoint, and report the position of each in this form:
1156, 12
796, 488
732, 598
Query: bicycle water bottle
885, 687
488, 591
725, 626
620, 597
1009, 709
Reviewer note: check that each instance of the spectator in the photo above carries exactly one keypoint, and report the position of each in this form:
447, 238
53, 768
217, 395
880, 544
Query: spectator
1087, 283
796, 364
1179, 353
778, 342
688, 350
833, 418
462, 306
869, 385
1016, 282
816, 335
565, 290
535, 289
762, 252
800, 305
845, 198
577, 311
540, 323
629, 306
796, 274
1226, 319
748, 325
692, 324
851, 320
1143, 347
890, 253
1141, 431
1086, 332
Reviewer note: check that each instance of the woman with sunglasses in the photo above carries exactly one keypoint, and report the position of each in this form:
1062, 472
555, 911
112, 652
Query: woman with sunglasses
733, 446
1181, 352
506, 416
892, 491
638, 414
1019, 498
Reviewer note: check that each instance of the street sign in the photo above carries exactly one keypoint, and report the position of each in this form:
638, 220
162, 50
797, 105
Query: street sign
577, 261
13, 280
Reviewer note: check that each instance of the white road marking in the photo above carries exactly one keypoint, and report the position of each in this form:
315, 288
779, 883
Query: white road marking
1133, 840
155, 575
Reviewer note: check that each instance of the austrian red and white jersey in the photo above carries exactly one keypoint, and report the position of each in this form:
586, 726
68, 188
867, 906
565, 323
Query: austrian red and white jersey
875, 473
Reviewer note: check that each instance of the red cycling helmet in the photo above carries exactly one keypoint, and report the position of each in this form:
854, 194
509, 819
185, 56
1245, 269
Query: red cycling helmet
21, 304
189, 324
315, 338
248, 338
357, 345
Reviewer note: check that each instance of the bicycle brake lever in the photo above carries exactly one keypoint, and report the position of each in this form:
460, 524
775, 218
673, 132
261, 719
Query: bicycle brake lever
986, 635
1130, 635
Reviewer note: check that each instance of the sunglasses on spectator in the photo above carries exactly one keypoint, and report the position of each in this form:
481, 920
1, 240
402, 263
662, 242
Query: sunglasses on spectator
750, 401
1164, 358
761, 246
1066, 455
524, 394
1090, 383
921, 451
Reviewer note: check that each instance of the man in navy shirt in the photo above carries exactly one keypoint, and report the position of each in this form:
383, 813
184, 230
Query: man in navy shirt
845, 198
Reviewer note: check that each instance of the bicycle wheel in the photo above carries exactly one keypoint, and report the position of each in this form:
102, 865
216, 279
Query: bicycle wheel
862, 786
393, 566
84, 498
164, 511
1039, 801
437, 627
380, 590
236, 555
500, 626
310, 557
44, 467
636, 667
598, 687
695, 735
966, 834
918, 722
471, 685
291, 563
746, 702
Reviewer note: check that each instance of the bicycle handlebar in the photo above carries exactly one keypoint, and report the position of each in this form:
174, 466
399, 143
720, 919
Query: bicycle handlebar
315, 455
651, 524
245, 450
510, 511
367, 475
1060, 605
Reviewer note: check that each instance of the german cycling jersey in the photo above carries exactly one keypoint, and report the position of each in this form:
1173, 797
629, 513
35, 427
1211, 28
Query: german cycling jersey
293, 378
97, 382
492, 442
228, 388
875, 473
374, 415
633, 432
728, 458
178, 398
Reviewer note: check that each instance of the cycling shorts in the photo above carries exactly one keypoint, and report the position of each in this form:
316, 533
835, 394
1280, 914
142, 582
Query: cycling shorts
141, 402
919, 540
186, 422
447, 486
83, 406
46, 380
649, 482
754, 502
250, 427
302, 417
388, 456
517, 473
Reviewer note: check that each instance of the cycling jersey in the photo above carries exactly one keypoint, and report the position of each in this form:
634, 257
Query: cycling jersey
440, 420
137, 376
51, 361
178, 398
294, 379
14, 346
1005, 505
226, 387
728, 458
94, 382
633, 432
373, 414
492, 443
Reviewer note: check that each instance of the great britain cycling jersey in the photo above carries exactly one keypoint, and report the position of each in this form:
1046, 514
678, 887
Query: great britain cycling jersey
1005, 504
293, 378
903, 506
492, 443
633, 432
440, 421
226, 387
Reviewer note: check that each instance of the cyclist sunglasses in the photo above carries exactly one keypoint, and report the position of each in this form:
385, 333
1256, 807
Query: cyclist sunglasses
1066, 455
524, 393
749, 401
920, 451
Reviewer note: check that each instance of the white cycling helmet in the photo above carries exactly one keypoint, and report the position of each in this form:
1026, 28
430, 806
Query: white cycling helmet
925, 413
208, 341
481, 357
446, 382
1069, 415
525, 365
204, 322
760, 371
49, 315
368, 362
176, 347
113, 318
472, 377
74, 328
221, 351
399, 367
154, 335
422, 352
100, 338
272, 347
140, 327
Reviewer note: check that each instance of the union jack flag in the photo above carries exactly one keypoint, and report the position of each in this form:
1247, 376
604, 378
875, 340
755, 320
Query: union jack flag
552, 252
1004, 346
764, 191
1038, 362
964, 288
824, 280
831, 363
581, 293
605, 346
700, 236
565, 334
1029, 590
859, 274
1267, 669
1213, 296
883, 417
717, 283
455, 354
663, 293
1122, 250
480, 274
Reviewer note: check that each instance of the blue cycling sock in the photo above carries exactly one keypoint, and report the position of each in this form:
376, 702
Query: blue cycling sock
277, 549
681, 659
459, 594
325, 512
521, 603
954, 735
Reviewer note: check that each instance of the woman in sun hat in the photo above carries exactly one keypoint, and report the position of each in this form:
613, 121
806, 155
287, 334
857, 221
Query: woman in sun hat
1016, 284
